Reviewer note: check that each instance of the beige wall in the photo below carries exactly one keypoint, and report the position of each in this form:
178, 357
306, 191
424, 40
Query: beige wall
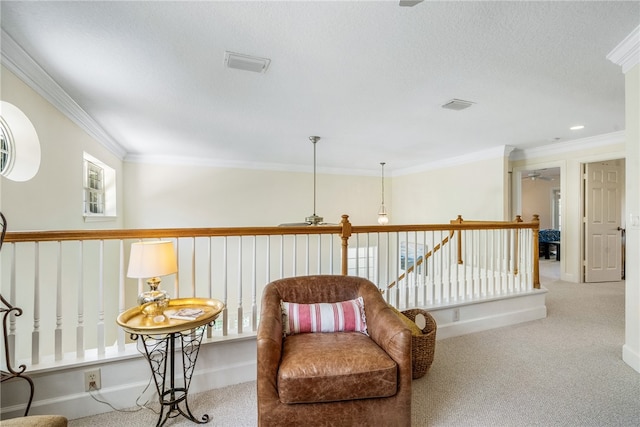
52, 200
201, 196
475, 190
537, 199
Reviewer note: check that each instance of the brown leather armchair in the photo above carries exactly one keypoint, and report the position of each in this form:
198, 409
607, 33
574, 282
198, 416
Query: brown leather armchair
334, 378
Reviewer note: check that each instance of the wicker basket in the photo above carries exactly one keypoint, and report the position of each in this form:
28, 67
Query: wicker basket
423, 346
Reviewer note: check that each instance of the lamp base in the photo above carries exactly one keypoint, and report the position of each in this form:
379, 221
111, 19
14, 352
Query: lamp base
153, 303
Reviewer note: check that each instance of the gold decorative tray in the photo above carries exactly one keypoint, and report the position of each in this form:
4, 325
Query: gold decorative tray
134, 321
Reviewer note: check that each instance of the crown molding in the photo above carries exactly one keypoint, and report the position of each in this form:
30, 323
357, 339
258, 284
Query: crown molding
226, 164
570, 146
30, 72
627, 53
491, 153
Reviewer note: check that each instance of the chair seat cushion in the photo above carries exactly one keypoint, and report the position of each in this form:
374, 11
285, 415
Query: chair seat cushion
332, 367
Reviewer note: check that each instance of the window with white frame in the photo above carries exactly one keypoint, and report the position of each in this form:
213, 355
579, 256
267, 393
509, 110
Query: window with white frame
99, 189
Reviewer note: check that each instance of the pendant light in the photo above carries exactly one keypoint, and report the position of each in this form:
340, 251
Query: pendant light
383, 218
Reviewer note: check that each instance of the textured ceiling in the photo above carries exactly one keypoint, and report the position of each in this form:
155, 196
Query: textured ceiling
368, 77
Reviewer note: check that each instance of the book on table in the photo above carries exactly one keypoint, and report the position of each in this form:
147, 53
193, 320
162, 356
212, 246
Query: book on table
187, 314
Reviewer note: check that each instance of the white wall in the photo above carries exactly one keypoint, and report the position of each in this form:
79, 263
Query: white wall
631, 349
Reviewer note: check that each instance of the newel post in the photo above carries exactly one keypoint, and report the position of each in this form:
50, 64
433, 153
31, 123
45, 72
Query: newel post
516, 249
536, 251
459, 221
344, 235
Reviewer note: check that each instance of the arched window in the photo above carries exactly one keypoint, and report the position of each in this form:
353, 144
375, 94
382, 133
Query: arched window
19, 144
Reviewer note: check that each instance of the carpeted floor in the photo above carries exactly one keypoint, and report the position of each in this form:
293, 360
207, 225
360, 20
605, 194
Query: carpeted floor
565, 370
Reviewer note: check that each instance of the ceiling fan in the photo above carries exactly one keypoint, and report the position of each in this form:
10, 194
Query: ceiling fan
313, 219
534, 175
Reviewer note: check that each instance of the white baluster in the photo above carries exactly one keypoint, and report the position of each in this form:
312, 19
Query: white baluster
281, 256
319, 236
58, 331
240, 313
254, 287
101, 336
210, 277
35, 335
193, 268
225, 281
80, 325
12, 301
307, 254
122, 304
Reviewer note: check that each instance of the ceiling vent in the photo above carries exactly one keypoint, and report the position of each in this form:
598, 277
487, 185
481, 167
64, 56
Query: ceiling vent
246, 62
409, 3
457, 104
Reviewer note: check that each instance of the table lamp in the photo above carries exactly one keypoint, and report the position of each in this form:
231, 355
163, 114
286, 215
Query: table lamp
150, 260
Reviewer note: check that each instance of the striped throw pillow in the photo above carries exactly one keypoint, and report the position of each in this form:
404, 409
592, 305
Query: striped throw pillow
344, 316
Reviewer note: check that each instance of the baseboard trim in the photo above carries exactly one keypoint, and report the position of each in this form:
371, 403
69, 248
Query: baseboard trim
125, 382
631, 357
481, 316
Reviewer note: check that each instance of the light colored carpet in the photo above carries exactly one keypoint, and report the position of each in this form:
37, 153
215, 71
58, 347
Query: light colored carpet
565, 370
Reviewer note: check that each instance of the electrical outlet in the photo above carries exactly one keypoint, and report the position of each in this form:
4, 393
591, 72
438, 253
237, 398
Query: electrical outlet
92, 380
456, 314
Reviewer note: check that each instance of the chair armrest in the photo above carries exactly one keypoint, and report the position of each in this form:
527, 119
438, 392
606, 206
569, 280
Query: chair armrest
387, 330
269, 344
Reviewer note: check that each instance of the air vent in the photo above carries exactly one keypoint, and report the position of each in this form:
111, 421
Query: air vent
457, 104
246, 62
409, 3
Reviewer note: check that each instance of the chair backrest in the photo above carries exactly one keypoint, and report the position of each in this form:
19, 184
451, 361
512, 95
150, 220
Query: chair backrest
549, 235
319, 288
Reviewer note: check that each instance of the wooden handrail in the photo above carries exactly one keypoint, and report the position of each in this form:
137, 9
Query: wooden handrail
345, 229
67, 235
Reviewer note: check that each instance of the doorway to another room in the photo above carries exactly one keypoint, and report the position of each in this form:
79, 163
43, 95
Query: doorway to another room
540, 194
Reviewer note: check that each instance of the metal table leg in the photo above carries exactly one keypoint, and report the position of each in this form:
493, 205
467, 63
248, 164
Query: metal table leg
160, 351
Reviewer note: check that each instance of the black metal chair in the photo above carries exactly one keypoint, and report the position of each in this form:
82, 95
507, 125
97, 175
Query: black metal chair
7, 310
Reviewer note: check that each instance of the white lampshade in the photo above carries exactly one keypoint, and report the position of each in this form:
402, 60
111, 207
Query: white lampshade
152, 259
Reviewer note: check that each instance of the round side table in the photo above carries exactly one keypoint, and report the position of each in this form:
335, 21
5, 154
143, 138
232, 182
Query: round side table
159, 337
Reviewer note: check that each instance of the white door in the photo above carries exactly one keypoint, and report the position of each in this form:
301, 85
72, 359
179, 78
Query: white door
603, 201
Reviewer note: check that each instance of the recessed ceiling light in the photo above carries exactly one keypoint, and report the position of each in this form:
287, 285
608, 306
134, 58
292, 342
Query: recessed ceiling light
246, 62
578, 127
